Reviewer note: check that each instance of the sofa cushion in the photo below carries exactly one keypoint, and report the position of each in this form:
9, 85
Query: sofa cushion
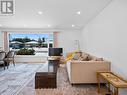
82, 56
89, 58
99, 59
69, 56
77, 55
86, 57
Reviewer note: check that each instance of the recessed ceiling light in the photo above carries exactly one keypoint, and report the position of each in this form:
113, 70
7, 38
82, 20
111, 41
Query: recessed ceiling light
78, 12
0, 25
40, 12
25, 25
73, 25
49, 25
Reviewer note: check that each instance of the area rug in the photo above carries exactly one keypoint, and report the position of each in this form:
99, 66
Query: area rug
12, 80
63, 87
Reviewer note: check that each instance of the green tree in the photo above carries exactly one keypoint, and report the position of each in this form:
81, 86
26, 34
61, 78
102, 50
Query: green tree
40, 41
23, 40
26, 39
43, 40
18, 39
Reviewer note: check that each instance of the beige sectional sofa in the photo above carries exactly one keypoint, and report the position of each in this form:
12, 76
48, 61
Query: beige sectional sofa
85, 71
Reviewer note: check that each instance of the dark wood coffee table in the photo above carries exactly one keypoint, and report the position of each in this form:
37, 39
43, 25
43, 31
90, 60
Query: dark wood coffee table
46, 77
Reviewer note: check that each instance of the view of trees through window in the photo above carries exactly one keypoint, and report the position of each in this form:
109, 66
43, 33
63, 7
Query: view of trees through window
34, 41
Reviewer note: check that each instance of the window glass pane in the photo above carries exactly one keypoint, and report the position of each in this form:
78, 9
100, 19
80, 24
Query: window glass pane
35, 41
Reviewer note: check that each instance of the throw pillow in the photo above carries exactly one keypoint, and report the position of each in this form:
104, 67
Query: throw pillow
75, 57
88, 58
81, 59
69, 57
99, 59
84, 57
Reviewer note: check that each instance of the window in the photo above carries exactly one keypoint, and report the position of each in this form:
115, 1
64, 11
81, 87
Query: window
38, 42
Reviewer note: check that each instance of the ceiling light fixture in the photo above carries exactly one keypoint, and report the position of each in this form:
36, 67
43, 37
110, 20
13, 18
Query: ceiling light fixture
40, 12
79, 12
49, 25
73, 25
0, 25
25, 25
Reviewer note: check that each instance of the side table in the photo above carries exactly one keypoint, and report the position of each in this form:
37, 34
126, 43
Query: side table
112, 79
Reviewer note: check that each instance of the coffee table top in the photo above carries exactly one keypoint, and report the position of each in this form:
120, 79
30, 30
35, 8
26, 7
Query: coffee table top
47, 68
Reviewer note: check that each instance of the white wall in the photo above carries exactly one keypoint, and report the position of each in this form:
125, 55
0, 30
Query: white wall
67, 40
0, 39
106, 36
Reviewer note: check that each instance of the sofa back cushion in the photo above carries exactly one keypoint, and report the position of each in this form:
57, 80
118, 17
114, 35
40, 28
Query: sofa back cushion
82, 56
86, 57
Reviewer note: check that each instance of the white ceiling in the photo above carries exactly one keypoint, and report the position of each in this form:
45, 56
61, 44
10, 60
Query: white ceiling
59, 14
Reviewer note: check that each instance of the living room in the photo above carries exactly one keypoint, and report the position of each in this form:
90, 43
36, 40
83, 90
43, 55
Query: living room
96, 27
